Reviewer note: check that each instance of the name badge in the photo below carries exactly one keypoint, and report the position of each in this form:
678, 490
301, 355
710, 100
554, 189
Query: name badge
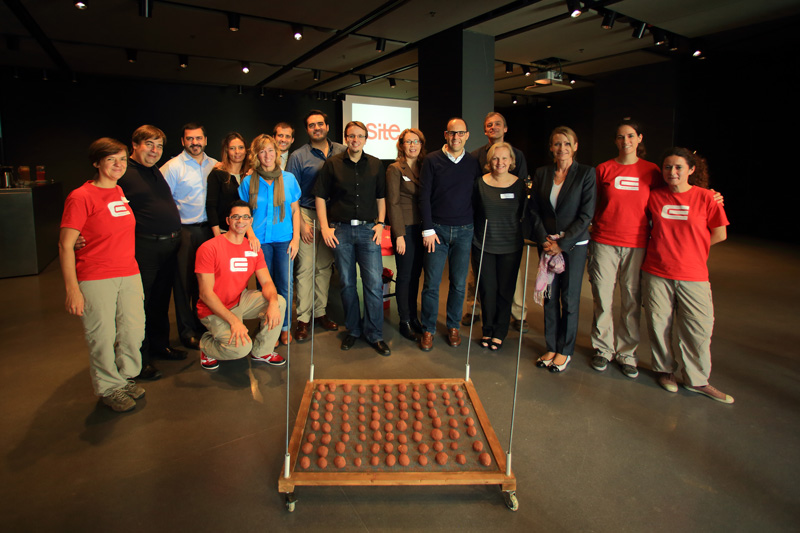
406, 178
507, 196
250, 253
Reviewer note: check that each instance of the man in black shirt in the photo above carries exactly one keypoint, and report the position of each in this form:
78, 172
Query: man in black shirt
158, 236
353, 184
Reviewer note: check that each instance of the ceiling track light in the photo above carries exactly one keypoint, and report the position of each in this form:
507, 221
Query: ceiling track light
82, 4
183, 61
392, 83
146, 8
131, 54
362, 79
509, 68
526, 70
608, 20
316, 74
659, 36
574, 8
514, 101
380, 45
297, 32
246, 67
240, 89
638, 29
262, 91
233, 21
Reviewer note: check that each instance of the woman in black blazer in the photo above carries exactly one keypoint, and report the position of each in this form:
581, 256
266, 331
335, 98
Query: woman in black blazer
560, 210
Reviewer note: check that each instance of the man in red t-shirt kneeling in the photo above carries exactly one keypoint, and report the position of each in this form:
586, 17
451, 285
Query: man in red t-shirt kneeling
224, 266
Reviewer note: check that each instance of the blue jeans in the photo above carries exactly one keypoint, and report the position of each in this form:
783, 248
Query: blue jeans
356, 246
454, 245
278, 264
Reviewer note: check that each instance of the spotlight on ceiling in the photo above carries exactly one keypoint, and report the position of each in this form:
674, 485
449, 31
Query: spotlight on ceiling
82, 5
659, 36
526, 70
297, 32
380, 45
638, 29
392, 83
245, 67
183, 60
673, 42
233, 21
146, 8
514, 100
509, 68
574, 8
608, 20
316, 74
362, 79
131, 53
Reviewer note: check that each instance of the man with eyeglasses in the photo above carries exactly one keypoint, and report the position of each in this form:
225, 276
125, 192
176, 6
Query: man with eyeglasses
448, 177
312, 284
187, 177
351, 208
224, 267
284, 136
495, 129
158, 227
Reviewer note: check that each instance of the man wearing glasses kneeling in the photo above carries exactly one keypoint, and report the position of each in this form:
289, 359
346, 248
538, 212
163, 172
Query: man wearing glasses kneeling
224, 266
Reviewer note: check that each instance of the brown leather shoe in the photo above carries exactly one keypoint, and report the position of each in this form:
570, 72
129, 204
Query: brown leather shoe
301, 332
453, 337
426, 341
326, 323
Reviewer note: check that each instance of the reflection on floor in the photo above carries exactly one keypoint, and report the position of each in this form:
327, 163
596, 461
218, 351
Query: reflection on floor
591, 451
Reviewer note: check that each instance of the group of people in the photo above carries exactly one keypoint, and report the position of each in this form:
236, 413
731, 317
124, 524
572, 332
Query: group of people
201, 229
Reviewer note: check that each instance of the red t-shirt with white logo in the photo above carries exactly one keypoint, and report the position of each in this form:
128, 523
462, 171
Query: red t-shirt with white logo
681, 234
106, 221
622, 193
232, 266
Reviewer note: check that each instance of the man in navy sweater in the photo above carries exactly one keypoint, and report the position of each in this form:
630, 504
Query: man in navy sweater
448, 177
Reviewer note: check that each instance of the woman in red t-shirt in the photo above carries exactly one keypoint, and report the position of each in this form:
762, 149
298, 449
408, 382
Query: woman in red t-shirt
616, 251
102, 279
687, 221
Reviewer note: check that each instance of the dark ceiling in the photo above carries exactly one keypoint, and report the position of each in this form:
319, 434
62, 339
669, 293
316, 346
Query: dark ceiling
341, 40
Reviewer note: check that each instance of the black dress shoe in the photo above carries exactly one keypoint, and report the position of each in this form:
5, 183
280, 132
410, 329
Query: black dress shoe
381, 348
171, 354
348, 342
407, 332
191, 342
149, 373
416, 326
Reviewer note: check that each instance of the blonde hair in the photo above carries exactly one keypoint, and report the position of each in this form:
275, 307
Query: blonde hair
494, 148
278, 194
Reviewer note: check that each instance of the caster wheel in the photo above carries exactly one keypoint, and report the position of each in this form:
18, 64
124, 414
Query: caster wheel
510, 498
291, 502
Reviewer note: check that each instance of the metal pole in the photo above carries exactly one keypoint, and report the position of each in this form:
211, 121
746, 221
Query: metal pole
475, 300
313, 293
516, 375
286, 457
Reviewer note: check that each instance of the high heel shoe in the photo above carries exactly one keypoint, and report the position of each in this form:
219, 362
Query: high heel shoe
407, 332
544, 363
559, 368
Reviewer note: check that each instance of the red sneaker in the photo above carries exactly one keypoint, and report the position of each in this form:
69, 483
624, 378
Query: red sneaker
271, 359
209, 363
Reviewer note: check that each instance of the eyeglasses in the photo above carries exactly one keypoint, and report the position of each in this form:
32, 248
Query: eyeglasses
352, 136
454, 133
412, 142
236, 218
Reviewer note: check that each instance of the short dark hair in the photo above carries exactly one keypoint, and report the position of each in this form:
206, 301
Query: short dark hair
282, 125
315, 112
494, 114
104, 147
357, 124
193, 126
238, 203
145, 132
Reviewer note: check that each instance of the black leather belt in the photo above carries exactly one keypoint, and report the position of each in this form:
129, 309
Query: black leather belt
153, 237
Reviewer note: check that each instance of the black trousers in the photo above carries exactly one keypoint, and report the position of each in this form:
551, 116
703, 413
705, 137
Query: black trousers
562, 307
157, 260
496, 287
409, 270
185, 289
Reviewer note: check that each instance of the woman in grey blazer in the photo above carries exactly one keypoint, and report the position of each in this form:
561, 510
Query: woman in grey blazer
560, 211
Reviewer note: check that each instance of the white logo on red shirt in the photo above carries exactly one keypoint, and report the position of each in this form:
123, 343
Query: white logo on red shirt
238, 264
675, 212
626, 183
118, 209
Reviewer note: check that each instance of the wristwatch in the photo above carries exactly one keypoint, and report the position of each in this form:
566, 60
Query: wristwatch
381, 222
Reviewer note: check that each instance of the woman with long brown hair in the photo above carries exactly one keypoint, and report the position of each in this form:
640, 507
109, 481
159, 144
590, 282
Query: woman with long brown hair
274, 195
224, 181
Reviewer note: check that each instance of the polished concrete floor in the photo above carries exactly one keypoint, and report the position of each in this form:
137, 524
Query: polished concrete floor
591, 452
